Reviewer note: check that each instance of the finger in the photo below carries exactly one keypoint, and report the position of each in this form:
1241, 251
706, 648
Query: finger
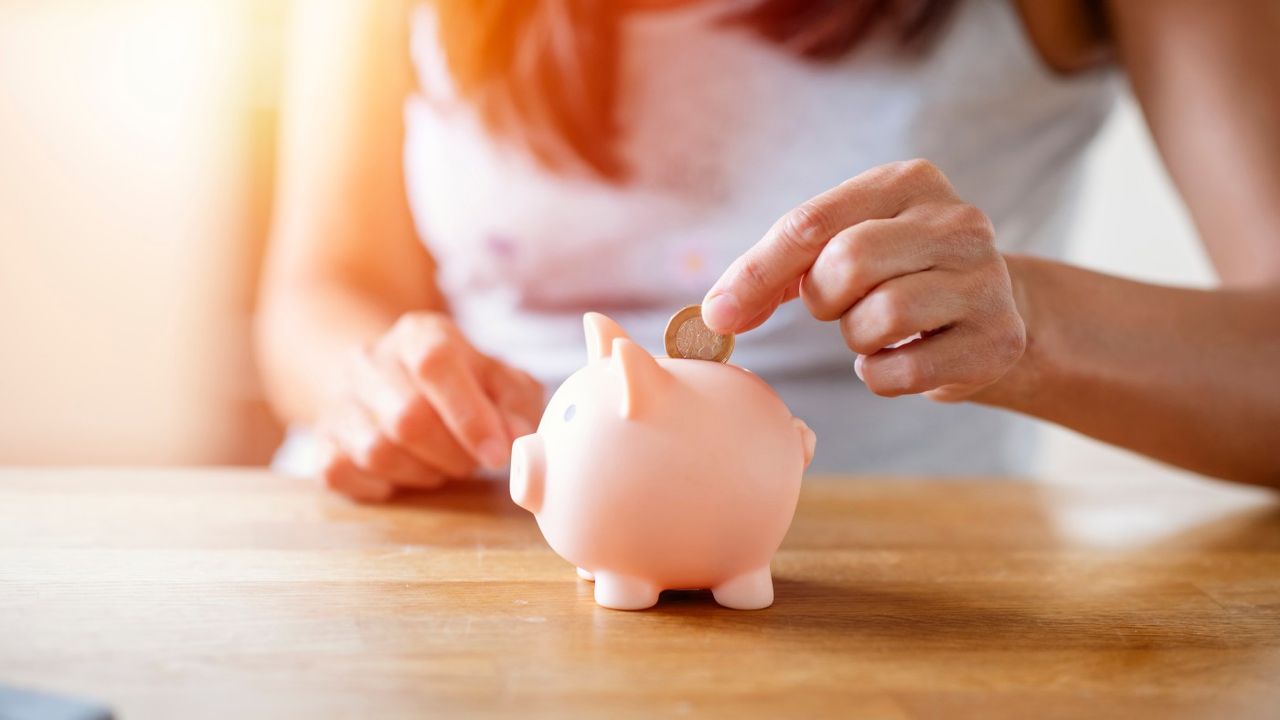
341, 475
792, 244
858, 258
791, 293
520, 398
904, 306
404, 415
445, 377
959, 356
357, 436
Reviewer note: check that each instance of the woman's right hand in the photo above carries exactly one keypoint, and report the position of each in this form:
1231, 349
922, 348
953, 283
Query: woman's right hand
421, 405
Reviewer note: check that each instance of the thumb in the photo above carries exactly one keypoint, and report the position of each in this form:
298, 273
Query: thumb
752, 286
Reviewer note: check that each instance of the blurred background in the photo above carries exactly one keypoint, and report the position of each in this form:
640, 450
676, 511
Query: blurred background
136, 151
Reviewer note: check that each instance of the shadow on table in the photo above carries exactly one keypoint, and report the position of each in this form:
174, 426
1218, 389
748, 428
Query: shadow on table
1252, 530
476, 496
834, 610
473, 513
1168, 594
1009, 584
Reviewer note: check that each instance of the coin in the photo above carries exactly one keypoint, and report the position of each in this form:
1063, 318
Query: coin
688, 337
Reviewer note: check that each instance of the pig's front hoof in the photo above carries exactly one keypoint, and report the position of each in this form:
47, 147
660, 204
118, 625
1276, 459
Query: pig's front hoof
586, 575
748, 591
619, 592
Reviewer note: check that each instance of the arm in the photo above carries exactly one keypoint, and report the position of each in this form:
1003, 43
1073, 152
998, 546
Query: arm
343, 262
1185, 376
1189, 377
352, 332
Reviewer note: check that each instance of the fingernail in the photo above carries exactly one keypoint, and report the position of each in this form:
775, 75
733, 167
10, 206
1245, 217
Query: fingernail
857, 368
720, 313
492, 454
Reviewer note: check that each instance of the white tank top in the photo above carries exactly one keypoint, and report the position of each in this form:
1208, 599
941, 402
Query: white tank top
724, 132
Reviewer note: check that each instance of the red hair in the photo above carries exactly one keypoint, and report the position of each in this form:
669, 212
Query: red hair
544, 71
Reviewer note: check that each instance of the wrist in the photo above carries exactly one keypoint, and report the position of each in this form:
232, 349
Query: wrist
1017, 389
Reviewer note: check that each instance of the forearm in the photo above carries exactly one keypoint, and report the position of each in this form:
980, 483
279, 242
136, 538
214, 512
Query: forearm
344, 261
1190, 377
305, 332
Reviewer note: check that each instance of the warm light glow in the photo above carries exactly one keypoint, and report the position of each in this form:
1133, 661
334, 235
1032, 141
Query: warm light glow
126, 134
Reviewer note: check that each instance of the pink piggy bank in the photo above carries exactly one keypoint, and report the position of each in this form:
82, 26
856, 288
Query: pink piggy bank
656, 473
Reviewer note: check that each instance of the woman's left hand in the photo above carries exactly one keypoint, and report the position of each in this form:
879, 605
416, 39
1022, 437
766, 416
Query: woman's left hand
891, 254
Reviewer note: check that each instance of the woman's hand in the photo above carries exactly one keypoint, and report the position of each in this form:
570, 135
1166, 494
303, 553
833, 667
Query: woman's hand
891, 254
422, 405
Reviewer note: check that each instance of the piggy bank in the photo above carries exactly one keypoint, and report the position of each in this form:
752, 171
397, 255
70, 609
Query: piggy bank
651, 474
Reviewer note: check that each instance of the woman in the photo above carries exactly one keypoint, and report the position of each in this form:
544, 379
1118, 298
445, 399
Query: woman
559, 156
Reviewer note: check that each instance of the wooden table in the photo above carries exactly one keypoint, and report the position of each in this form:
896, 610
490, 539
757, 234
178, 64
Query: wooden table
236, 594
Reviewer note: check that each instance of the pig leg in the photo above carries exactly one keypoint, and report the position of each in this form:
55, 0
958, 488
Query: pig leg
624, 593
751, 590
586, 575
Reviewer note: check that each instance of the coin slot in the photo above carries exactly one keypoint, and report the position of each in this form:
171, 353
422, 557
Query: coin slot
570, 411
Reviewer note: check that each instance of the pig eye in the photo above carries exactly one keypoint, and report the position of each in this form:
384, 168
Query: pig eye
569, 412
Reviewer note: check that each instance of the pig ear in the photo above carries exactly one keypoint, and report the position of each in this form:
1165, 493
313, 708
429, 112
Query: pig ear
601, 332
642, 378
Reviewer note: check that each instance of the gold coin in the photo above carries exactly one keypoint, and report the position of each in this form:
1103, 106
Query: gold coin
688, 337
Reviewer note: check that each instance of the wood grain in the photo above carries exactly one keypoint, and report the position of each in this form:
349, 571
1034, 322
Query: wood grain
240, 594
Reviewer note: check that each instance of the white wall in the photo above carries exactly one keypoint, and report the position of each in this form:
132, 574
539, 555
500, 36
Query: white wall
126, 223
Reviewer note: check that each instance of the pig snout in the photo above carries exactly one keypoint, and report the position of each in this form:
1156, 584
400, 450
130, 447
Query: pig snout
528, 472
